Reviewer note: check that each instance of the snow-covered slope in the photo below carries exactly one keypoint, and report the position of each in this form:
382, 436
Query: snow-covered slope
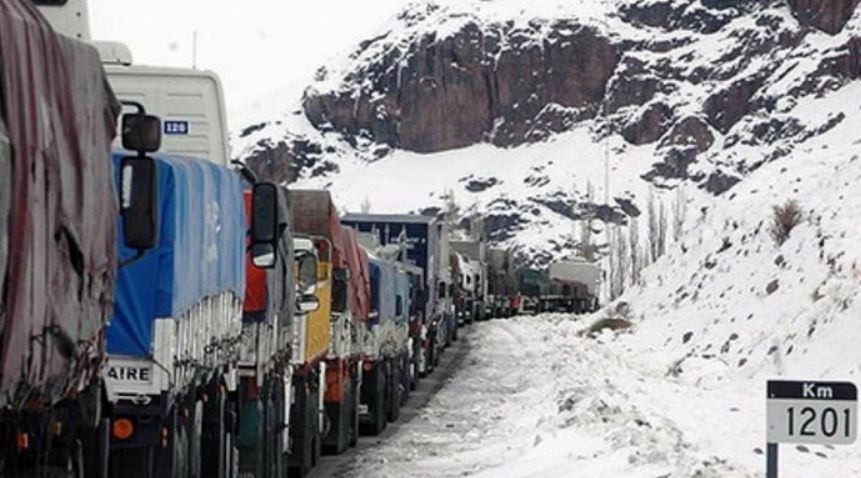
732, 304
745, 104
700, 93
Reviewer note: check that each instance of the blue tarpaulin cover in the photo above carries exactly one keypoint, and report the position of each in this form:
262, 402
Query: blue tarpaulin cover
404, 293
383, 290
201, 251
387, 284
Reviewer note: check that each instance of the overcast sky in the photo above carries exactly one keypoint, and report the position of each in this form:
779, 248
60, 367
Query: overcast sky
257, 46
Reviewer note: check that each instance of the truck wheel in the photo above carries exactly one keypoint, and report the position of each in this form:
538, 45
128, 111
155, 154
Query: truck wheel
303, 429
214, 435
415, 371
132, 463
393, 408
354, 413
195, 438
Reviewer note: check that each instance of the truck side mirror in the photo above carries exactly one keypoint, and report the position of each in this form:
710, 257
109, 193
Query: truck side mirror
139, 202
307, 273
308, 303
264, 225
141, 133
339, 289
263, 256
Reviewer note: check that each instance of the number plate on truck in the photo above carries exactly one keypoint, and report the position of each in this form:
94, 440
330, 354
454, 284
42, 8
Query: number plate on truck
137, 373
812, 412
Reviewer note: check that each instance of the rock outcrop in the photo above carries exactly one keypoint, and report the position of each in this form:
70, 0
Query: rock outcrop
706, 91
445, 93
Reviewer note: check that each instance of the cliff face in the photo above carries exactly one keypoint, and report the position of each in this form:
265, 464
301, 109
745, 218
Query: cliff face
693, 92
509, 84
479, 84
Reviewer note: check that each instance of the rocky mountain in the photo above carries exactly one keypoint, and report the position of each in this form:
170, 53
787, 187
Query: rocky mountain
511, 108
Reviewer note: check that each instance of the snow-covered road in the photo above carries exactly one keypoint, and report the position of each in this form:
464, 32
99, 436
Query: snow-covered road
535, 399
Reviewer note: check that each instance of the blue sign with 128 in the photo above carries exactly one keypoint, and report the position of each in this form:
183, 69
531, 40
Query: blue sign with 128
176, 127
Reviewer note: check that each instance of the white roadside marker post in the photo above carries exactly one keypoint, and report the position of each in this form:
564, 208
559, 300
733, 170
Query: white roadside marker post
823, 413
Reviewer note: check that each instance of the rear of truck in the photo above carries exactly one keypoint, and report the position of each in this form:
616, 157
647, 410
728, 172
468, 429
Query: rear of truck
331, 332
386, 347
351, 303
58, 212
420, 239
502, 283
174, 337
577, 282
474, 273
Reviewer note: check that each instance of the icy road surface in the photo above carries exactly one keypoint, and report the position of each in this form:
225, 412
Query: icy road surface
535, 399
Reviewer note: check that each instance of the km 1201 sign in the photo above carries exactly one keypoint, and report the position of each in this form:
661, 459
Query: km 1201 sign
812, 412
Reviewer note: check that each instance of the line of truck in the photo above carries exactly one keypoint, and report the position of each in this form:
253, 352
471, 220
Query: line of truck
164, 312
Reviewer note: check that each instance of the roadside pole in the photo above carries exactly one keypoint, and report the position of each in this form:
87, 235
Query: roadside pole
771, 461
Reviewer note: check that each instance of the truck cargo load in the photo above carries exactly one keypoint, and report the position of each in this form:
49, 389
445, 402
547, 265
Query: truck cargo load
421, 236
194, 259
360, 279
61, 119
577, 271
315, 216
5, 191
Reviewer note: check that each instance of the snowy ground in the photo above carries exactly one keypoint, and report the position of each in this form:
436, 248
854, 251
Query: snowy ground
535, 399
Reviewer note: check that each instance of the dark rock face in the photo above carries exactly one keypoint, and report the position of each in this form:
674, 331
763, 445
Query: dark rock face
725, 108
692, 132
283, 162
463, 89
829, 16
709, 17
650, 126
499, 227
847, 64
479, 185
689, 137
719, 183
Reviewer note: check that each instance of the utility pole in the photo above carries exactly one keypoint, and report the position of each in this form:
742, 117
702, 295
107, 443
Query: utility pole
194, 50
607, 190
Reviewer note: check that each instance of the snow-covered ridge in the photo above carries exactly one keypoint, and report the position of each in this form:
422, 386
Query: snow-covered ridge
702, 94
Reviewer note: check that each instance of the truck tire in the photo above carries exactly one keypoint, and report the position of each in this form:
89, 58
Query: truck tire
415, 375
195, 448
279, 458
405, 365
374, 389
354, 413
302, 431
393, 402
214, 452
336, 437
250, 436
132, 463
